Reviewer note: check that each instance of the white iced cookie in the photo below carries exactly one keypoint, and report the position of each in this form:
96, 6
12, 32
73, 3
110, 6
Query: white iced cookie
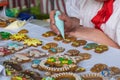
15, 25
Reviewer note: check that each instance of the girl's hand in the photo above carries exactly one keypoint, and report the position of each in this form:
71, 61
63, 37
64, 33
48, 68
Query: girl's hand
70, 23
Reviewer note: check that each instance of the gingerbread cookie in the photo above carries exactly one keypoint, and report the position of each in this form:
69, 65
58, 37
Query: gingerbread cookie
32, 42
58, 64
20, 58
90, 46
85, 56
5, 35
11, 20
49, 45
35, 63
31, 75
78, 43
58, 38
4, 51
12, 67
80, 69
101, 48
98, 68
92, 76
35, 53
3, 23
73, 52
18, 37
56, 50
15, 46
48, 78
48, 34
66, 76
114, 70
23, 31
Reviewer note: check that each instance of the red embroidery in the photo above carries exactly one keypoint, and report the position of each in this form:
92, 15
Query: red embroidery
103, 14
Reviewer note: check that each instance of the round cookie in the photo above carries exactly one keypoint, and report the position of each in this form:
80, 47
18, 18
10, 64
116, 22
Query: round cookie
48, 34
101, 48
98, 68
73, 52
78, 43
85, 56
58, 38
66, 76
92, 76
24, 31
90, 46
58, 64
49, 45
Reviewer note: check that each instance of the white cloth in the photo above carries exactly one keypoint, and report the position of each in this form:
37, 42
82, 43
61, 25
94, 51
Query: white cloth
85, 10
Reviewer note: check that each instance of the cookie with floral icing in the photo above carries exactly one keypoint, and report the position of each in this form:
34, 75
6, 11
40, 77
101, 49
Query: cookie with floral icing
20, 58
5, 35
35, 63
4, 51
18, 37
35, 53
32, 42
15, 46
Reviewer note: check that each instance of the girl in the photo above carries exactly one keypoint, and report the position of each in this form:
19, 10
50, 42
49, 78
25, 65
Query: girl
95, 20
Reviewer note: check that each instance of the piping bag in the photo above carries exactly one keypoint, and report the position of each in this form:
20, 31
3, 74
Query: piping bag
59, 23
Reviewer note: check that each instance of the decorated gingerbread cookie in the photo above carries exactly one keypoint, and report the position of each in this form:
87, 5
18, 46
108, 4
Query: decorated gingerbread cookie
35, 63
18, 37
32, 42
72, 52
12, 67
78, 43
98, 68
35, 53
48, 34
66, 76
58, 64
15, 46
90, 46
5, 35
23, 31
4, 51
49, 45
101, 48
30, 75
93, 76
22, 58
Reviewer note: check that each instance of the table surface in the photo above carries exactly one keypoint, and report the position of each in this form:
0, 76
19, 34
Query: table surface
110, 57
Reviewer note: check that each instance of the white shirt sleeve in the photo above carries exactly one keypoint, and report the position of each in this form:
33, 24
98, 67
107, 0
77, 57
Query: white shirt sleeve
73, 9
112, 26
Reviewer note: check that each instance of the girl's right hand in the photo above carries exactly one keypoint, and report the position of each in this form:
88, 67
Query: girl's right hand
68, 22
